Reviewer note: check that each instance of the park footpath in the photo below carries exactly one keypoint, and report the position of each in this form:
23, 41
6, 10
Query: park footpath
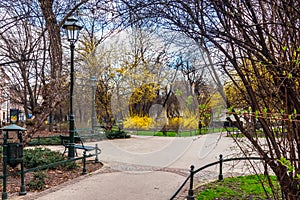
145, 167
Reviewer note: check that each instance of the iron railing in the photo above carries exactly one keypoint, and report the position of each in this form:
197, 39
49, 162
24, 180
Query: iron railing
190, 177
83, 158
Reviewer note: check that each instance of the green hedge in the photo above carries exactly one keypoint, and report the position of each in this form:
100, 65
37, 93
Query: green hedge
40, 156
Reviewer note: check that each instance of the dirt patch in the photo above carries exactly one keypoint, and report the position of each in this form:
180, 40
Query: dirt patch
48, 134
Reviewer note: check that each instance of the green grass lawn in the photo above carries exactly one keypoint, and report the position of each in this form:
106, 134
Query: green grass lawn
242, 187
181, 133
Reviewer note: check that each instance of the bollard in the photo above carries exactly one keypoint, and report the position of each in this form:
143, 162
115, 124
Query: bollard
191, 191
221, 166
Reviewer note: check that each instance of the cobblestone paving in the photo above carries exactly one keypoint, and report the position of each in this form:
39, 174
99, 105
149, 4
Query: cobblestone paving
118, 166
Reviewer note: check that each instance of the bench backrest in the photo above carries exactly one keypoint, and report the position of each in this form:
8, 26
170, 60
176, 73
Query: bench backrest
65, 139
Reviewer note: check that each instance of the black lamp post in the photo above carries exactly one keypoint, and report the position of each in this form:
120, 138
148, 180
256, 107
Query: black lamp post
93, 84
72, 28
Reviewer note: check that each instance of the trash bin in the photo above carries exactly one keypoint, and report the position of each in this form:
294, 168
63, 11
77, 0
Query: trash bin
14, 154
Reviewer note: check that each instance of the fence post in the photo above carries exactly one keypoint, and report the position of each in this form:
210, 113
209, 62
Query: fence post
221, 166
4, 192
22, 187
96, 152
39, 140
84, 163
191, 191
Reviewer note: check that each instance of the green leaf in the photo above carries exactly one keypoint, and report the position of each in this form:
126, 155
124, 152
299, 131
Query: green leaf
249, 109
178, 92
189, 100
230, 109
283, 161
265, 112
284, 48
290, 118
256, 114
202, 106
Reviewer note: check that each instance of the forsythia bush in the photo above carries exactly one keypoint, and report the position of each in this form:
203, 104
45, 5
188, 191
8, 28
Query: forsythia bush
190, 122
145, 123
137, 122
175, 123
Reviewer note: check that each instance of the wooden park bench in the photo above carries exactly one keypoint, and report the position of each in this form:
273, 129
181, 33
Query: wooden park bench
65, 141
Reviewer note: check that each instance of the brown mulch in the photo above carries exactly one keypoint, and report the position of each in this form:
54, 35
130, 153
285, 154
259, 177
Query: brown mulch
47, 133
53, 178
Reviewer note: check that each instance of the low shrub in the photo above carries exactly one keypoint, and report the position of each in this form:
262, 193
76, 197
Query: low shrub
54, 140
116, 134
71, 165
38, 181
40, 156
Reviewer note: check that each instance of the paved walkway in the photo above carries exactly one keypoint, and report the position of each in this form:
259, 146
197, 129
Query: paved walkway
144, 168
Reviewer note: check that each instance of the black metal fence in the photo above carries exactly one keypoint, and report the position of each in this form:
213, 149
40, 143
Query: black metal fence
190, 178
83, 158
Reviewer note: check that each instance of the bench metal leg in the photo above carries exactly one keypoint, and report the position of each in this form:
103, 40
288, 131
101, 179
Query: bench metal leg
96, 152
84, 162
64, 151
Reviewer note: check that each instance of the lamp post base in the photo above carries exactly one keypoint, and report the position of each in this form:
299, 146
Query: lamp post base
22, 190
71, 151
4, 195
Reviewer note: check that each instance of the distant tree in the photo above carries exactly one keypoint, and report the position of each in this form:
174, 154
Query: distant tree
195, 74
103, 105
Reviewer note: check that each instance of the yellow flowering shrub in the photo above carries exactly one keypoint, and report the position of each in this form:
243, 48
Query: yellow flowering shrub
187, 122
137, 122
190, 120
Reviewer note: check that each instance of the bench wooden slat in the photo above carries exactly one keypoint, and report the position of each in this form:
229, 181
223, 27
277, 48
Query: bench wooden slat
87, 148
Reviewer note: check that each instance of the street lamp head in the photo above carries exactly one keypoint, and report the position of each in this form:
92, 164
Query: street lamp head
93, 81
72, 28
